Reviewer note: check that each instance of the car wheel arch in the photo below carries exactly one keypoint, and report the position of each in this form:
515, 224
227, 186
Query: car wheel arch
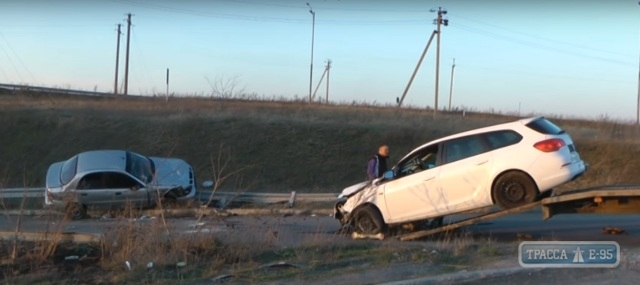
370, 205
497, 177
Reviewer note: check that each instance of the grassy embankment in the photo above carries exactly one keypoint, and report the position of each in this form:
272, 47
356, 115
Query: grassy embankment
278, 146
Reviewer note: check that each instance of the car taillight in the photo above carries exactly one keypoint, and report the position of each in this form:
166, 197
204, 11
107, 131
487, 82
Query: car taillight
549, 145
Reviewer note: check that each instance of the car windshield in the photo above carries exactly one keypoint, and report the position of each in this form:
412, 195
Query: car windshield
68, 170
140, 167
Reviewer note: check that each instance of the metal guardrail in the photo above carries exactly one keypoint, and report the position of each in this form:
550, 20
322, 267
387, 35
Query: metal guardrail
9, 193
15, 87
245, 197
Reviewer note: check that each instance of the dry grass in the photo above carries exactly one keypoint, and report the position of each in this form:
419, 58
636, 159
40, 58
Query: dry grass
284, 146
184, 257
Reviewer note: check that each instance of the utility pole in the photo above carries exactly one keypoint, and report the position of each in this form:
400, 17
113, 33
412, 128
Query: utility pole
328, 69
439, 21
424, 52
638, 103
115, 85
451, 84
313, 29
167, 96
126, 66
326, 72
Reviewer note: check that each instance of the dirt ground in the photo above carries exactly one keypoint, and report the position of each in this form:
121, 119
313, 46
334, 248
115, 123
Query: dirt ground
312, 252
480, 269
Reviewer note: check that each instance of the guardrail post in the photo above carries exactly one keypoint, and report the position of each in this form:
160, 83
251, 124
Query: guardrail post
292, 198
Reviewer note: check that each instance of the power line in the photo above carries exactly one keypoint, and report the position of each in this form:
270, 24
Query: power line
534, 45
539, 37
144, 70
544, 75
12, 64
6, 78
203, 14
53, 26
322, 8
18, 57
263, 19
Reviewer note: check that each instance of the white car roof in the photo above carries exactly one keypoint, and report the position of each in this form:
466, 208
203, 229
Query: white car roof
496, 127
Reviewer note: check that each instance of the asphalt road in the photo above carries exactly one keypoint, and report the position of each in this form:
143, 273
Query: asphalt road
292, 230
570, 227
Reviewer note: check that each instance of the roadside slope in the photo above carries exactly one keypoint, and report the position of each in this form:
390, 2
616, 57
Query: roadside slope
275, 146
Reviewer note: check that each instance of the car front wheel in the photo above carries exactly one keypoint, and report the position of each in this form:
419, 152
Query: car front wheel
514, 189
368, 221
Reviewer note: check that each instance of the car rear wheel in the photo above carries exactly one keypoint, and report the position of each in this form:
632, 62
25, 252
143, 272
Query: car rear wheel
76, 211
368, 221
514, 189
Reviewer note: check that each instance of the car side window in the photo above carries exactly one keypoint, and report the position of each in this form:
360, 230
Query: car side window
423, 159
116, 180
462, 148
107, 180
501, 139
92, 181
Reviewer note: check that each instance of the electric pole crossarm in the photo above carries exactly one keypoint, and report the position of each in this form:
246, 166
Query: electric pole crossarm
415, 71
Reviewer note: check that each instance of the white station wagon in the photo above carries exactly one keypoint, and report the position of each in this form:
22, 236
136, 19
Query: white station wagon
507, 165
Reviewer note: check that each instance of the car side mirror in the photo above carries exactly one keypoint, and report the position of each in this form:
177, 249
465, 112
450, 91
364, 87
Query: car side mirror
135, 188
389, 174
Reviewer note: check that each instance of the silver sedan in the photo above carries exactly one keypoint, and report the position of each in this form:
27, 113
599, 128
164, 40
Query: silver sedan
107, 179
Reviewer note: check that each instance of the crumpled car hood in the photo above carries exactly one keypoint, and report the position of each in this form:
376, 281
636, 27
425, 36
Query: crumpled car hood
354, 189
172, 172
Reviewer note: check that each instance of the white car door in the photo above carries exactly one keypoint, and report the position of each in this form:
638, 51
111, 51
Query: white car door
412, 194
465, 177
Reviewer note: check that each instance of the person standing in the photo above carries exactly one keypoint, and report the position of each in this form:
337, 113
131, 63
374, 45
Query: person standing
377, 165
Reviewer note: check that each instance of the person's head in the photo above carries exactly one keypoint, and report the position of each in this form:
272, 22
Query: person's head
383, 150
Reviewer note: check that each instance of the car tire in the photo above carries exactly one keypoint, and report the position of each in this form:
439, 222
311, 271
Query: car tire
368, 221
169, 203
513, 189
76, 211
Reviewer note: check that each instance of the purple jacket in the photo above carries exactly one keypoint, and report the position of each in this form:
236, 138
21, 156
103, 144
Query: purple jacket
376, 167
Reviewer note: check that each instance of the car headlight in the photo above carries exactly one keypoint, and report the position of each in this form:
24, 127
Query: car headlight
184, 191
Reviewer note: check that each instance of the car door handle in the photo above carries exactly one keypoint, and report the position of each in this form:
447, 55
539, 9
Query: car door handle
118, 193
83, 194
482, 162
430, 178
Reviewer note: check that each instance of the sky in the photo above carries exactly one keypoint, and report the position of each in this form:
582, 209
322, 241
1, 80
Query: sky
564, 58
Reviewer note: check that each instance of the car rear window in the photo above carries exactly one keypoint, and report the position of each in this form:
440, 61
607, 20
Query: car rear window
545, 126
68, 170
